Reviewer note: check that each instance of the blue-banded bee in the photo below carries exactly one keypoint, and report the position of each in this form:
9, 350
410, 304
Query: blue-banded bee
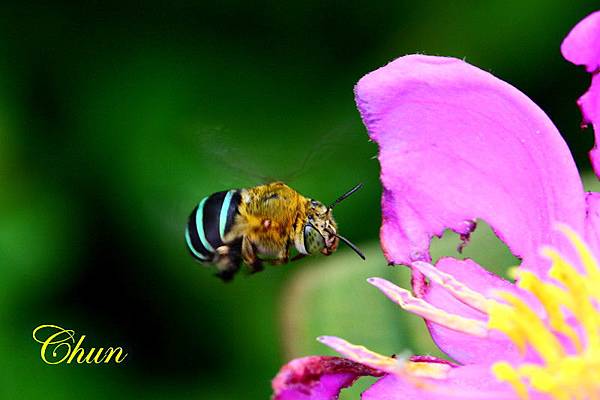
258, 224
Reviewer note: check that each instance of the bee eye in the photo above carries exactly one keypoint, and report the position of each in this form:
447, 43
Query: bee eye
313, 240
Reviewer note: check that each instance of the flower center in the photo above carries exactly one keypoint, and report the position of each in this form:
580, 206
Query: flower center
566, 338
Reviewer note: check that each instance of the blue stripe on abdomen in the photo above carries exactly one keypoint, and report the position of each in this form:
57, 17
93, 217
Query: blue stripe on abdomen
193, 240
210, 221
188, 241
212, 213
232, 211
201, 224
223, 214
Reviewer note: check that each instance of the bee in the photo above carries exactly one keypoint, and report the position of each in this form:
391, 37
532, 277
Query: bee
261, 224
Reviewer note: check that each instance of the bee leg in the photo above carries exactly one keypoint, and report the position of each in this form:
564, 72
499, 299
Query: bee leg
282, 258
228, 262
249, 256
257, 267
227, 267
298, 256
279, 261
226, 275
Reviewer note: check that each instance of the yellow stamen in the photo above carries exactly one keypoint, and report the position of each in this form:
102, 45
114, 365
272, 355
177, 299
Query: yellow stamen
563, 374
534, 329
502, 318
587, 259
506, 373
581, 304
551, 297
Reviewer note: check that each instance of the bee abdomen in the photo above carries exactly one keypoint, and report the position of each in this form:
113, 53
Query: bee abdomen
209, 222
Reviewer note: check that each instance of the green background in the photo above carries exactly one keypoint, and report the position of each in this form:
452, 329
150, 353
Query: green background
117, 117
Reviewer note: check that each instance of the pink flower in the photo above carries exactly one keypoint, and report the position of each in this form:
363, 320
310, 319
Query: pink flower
457, 144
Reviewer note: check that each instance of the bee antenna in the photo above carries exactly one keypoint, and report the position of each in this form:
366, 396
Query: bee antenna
352, 246
344, 196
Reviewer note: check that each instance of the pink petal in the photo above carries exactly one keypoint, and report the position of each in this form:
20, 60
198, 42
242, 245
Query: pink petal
464, 348
476, 278
456, 144
470, 342
468, 349
582, 44
469, 382
317, 378
582, 47
589, 104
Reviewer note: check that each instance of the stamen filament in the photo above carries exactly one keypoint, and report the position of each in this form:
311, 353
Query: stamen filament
459, 290
417, 306
400, 366
582, 307
551, 297
505, 372
534, 329
502, 318
360, 354
587, 259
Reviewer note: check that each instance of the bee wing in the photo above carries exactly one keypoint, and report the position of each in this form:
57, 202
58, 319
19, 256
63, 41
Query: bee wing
259, 161
237, 161
322, 149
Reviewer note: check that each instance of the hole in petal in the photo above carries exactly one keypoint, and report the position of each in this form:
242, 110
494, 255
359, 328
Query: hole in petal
590, 182
353, 392
483, 246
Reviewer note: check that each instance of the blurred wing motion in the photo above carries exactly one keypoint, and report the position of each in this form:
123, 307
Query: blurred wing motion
266, 161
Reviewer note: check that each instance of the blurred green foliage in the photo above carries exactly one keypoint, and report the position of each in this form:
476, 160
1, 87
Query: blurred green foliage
116, 117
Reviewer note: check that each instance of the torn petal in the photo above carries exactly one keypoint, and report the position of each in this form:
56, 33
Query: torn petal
317, 378
457, 144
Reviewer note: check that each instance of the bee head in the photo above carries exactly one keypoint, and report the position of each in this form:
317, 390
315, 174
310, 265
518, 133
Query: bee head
319, 230
319, 233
